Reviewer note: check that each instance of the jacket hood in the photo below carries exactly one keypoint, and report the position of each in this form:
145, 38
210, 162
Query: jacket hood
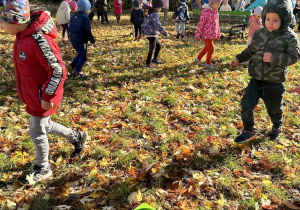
41, 22
63, 5
283, 8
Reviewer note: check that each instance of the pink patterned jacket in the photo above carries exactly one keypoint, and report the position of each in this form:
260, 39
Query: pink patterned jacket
254, 26
208, 26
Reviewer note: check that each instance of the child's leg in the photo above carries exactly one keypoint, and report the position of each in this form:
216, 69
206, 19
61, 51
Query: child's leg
210, 49
68, 30
81, 58
203, 52
102, 19
39, 128
64, 31
140, 30
106, 18
165, 14
248, 102
273, 99
136, 31
182, 26
177, 24
151, 48
157, 48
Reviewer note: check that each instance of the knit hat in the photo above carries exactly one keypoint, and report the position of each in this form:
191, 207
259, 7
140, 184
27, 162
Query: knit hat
136, 3
73, 5
214, 1
15, 11
83, 5
257, 11
157, 3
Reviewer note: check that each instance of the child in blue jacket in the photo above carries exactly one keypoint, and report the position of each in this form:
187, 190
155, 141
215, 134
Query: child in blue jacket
150, 29
80, 28
137, 18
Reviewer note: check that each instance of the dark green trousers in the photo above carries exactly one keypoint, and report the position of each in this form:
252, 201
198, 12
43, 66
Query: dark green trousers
271, 94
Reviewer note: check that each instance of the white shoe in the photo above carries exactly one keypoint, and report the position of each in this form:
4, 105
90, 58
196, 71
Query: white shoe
209, 66
197, 60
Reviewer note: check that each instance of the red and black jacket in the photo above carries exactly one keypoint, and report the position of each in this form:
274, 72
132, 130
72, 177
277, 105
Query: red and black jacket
40, 70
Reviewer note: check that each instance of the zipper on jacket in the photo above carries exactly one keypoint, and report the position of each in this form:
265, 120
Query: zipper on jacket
17, 69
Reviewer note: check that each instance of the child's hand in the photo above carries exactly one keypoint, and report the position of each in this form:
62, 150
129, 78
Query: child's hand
234, 63
168, 35
295, 90
174, 20
268, 57
187, 22
46, 105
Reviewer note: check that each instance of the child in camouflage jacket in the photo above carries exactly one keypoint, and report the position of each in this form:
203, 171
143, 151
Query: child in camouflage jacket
273, 48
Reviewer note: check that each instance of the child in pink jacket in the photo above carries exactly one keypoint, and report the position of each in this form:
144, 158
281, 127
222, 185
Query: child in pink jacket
208, 30
118, 9
255, 23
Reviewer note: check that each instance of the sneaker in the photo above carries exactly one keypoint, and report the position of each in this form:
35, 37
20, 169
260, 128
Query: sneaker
182, 36
149, 66
156, 61
177, 36
39, 174
209, 66
245, 136
197, 60
274, 134
79, 145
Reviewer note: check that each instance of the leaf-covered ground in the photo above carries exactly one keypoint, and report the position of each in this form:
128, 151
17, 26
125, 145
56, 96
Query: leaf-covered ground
162, 136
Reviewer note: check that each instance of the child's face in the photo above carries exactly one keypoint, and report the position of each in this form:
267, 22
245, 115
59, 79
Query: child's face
8, 28
137, 8
215, 5
272, 21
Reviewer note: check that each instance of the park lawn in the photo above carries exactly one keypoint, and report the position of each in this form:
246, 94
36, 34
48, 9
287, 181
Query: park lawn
162, 136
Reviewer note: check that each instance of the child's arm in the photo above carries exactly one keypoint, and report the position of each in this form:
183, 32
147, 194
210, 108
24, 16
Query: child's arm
158, 25
187, 15
50, 59
290, 56
88, 30
200, 26
131, 16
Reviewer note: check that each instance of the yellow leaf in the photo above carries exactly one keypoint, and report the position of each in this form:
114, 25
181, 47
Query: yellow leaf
59, 160
93, 172
81, 192
4, 177
135, 197
30, 179
104, 162
278, 146
266, 183
221, 202
96, 195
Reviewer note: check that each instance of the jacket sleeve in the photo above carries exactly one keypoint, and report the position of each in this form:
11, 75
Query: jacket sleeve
200, 26
246, 54
88, 30
68, 10
50, 59
158, 25
290, 56
131, 16
253, 5
187, 15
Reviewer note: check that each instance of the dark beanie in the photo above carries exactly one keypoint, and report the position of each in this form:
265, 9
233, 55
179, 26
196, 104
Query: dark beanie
157, 3
136, 3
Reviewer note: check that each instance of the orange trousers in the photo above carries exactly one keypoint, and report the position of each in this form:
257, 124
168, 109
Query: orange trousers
209, 49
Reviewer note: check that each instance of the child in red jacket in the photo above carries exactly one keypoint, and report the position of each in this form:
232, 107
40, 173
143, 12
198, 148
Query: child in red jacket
208, 29
40, 75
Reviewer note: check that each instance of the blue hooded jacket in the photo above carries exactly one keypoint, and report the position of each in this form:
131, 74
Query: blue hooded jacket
80, 28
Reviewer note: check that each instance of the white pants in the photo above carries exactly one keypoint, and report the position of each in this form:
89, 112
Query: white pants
180, 25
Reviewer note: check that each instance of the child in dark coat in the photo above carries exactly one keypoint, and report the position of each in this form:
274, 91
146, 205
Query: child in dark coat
80, 26
137, 18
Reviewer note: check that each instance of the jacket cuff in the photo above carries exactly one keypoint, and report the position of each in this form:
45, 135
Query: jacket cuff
48, 98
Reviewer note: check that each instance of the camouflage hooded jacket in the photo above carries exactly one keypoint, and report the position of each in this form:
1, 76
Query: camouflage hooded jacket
282, 43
